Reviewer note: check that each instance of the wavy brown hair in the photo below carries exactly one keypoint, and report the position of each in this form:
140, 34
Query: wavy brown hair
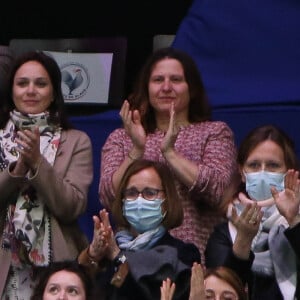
199, 108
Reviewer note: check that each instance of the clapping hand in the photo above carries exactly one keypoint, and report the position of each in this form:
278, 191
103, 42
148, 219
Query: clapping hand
288, 200
167, 289
197, 291
29, 148
169, 139
247, 223
133, 126
247, 226
103, 243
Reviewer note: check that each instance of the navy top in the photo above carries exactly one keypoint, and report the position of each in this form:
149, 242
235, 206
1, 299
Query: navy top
219, 252
170, 257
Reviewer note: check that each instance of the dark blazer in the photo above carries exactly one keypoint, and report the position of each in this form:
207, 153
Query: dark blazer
170, 257
219, 252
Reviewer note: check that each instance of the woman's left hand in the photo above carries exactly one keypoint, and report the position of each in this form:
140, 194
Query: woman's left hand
169, 139
29, 147
288, 200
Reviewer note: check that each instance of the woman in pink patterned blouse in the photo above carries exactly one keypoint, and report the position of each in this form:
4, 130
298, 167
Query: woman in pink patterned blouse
167, 118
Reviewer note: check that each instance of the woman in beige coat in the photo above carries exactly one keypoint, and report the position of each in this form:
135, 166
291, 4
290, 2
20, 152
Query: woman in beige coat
45, 173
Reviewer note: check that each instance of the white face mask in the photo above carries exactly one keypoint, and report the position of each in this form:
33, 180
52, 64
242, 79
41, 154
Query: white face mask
142, 214
258, 184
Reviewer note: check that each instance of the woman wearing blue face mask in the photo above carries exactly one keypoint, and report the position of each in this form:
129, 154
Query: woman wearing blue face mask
142, 253
257, 241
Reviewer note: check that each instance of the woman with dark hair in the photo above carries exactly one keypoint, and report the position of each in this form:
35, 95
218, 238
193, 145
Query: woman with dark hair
141, 252
167, 118
42, 194
63, 280
6, 59
262, 207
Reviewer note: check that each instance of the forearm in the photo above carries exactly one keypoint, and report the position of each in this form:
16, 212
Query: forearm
294, 221
117, 154
185, 170
242, 247
292, 235
9, 184
118, 174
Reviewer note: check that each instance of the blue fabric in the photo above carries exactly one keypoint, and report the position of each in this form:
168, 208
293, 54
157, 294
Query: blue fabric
98, 127
247, 51
243, 119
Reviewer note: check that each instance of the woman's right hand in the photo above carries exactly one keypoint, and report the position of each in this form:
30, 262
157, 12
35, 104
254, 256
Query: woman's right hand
103, 243
247, 226
133, 127
197, 291
167, 289
247, 223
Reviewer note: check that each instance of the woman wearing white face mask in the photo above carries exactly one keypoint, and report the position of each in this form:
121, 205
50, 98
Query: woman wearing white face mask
142, 253
254, 240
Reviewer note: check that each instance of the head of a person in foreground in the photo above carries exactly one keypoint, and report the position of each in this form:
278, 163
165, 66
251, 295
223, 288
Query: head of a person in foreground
63, 280
222, 283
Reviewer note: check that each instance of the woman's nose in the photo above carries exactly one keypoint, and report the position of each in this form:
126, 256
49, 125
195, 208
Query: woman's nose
30, 88
62, 296
167, 85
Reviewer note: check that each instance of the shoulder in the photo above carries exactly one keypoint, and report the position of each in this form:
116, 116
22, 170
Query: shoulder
168, 239
75, 135
222, 227
213, 126
117, 133
208, 130
220, 230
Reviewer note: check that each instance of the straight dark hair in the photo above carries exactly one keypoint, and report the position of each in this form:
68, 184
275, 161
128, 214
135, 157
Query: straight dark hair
56, 108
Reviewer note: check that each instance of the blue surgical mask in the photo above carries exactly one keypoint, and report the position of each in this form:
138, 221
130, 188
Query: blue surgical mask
143, 215
258, 184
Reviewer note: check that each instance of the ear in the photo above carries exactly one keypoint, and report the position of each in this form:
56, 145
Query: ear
242, 173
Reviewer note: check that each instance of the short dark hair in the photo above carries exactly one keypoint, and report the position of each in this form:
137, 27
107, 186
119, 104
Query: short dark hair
199, 108
172, 203
44, 273
56, 108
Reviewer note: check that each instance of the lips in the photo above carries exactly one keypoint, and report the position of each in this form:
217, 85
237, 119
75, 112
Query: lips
31, 101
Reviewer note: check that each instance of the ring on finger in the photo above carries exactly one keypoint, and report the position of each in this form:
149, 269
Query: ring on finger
253, 222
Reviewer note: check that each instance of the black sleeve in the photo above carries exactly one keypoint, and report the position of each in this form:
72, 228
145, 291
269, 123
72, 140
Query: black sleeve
292, 235
219, 253
188, 253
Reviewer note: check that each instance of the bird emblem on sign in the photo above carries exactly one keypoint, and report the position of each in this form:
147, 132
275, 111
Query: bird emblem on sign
72, 79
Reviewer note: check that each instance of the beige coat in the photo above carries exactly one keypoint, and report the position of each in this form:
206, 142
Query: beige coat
64, 189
